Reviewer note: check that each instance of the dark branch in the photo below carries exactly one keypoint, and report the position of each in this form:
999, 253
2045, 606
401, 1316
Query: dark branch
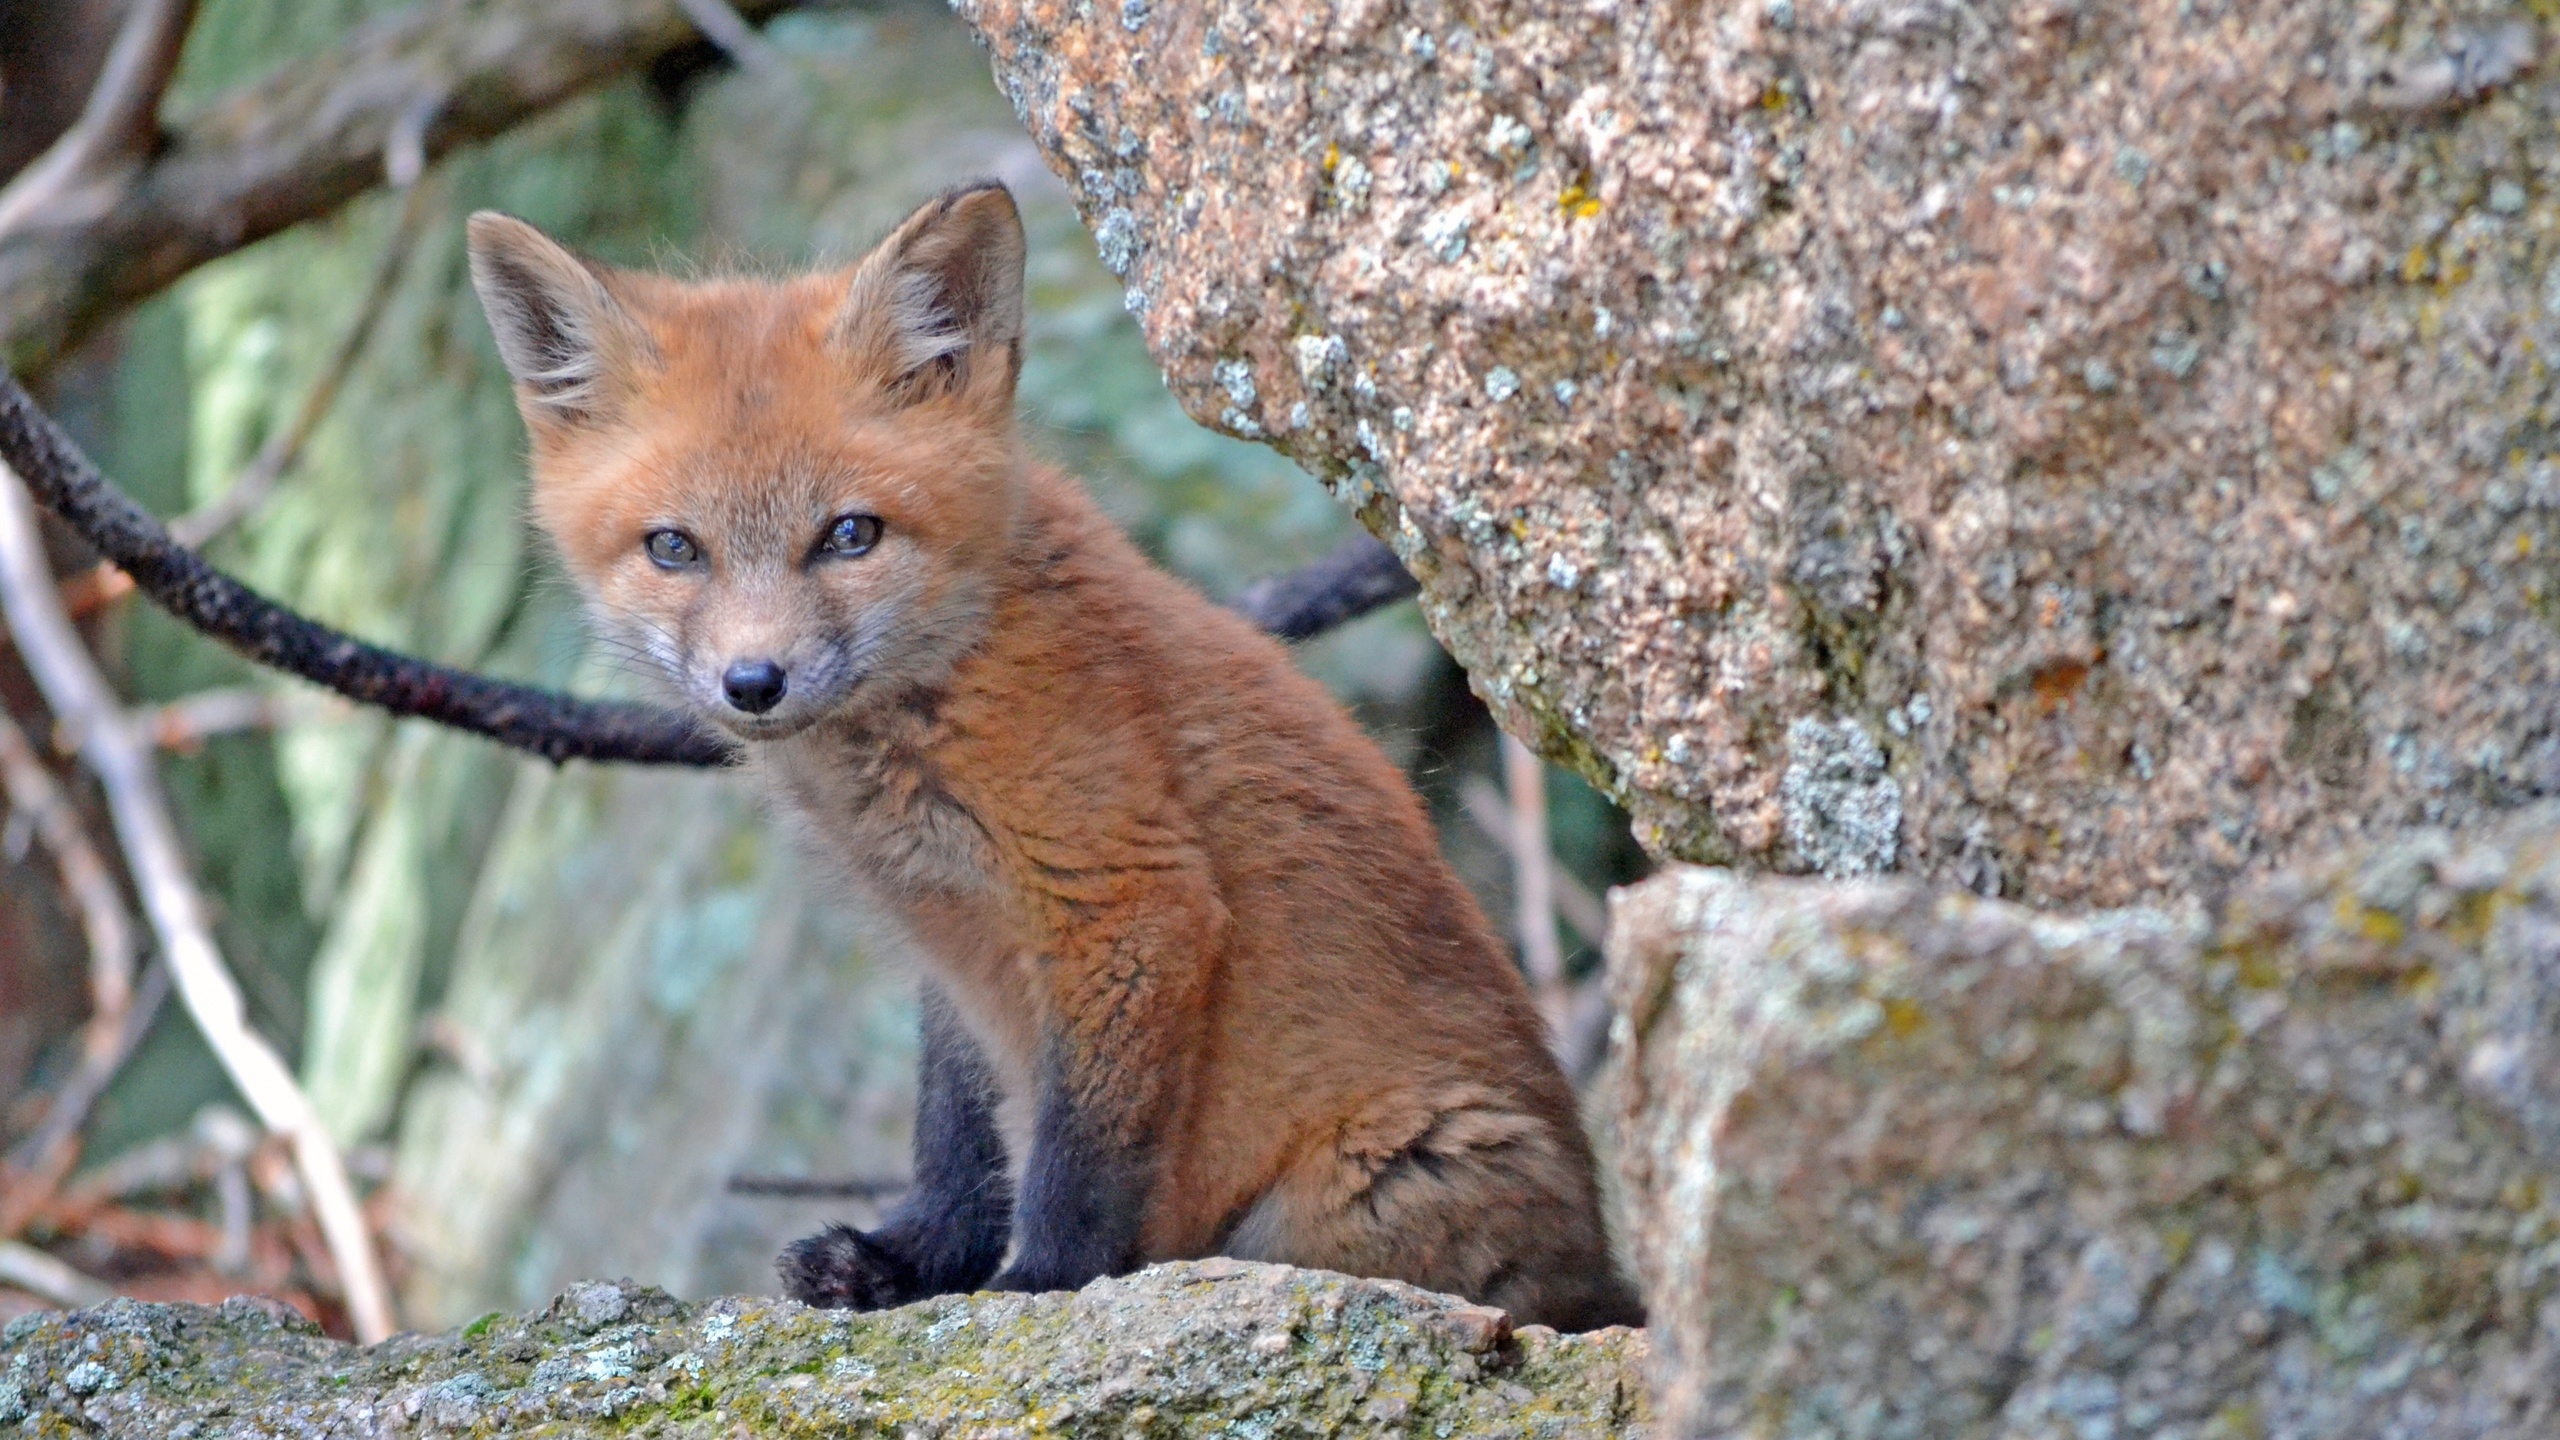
1360, 575
1350, 582
800, 1187
556, 727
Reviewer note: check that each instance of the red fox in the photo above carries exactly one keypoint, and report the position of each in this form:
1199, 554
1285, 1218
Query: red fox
1196, 978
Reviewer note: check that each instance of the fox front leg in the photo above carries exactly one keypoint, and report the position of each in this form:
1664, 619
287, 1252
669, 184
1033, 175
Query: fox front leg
1084, 1193
950, 1231
1129, 984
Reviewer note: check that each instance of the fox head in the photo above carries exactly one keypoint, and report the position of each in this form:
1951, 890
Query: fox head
791, 495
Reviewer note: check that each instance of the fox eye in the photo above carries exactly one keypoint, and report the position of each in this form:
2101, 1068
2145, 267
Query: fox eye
850, 535
672, 549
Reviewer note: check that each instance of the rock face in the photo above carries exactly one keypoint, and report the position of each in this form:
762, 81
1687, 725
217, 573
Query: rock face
1217, 1347
2077, 451
1916, 1165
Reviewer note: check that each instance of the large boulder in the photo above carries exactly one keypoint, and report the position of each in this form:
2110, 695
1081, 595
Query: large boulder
2077, 451
1911, 1163
1213, 1348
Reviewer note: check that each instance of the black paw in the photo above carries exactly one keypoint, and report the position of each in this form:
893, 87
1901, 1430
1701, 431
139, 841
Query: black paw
840, 1268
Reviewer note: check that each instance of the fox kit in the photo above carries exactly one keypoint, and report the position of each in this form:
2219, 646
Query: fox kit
1197, 981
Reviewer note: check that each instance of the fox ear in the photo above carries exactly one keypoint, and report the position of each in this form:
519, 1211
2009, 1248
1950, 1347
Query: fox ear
938, 305
559, 330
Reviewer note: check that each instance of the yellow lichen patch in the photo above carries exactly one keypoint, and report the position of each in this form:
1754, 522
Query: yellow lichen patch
2176, 1241
2258, 970
2381, 925
1903, 1015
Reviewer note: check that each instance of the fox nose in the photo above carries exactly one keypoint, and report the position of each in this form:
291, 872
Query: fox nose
754, 686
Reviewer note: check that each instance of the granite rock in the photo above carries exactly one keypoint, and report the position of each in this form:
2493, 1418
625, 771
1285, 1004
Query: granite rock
1905, 1162
2109, 448
1209, 1348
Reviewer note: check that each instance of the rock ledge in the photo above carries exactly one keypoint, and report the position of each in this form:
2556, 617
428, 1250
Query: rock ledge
1213, 1347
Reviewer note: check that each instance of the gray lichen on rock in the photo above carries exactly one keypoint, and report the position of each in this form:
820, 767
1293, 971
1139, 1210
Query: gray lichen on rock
1843, 809
2071, 307
1907, 1162
1212, 1348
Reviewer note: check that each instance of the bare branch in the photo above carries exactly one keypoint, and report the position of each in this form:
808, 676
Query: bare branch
1575, 904
1361, 575
87, 711
722, 25
94, 589
1533, 868
184, 724
311, 137
39, 1274
116, 130
85, 878
90, 1079
554, 726
802, 1187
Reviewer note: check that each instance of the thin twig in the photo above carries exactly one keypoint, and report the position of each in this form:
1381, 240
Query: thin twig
86, 1083
1533, 868
405, 158
1575, 904
722, 25
802, 1187
37, 1273
94, 589
106, 924
87, 710
25, 1194
184, 724
120, 124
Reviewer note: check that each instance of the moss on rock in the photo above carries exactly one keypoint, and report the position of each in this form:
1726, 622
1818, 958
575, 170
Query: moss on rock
1209, 1348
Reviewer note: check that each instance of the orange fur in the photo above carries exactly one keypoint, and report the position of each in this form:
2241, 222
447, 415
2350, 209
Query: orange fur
1129, 836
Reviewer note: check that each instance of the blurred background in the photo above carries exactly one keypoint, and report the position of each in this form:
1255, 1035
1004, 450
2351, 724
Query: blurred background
588, 1021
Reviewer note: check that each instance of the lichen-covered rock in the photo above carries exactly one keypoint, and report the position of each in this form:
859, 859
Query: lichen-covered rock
1212, 1348
2074, 450
1916, 1164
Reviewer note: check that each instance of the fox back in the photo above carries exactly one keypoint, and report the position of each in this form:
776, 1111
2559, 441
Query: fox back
1197, 980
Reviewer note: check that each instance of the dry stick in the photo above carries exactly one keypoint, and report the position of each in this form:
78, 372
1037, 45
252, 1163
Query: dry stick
184, 724
32, 1270
1533, 868
805, 1187
33, 793
722, 25
118, 125
86, 709
80, 1091
1575, 904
